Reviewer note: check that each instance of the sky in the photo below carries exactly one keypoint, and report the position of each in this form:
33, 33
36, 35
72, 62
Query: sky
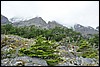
66, 13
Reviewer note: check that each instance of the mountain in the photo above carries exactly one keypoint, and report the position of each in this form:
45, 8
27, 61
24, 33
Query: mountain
39, 22
4, 20
85, 30
16, 19
97, 28
53, 24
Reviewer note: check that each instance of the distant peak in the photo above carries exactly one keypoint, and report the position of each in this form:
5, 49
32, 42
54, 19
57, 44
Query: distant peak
53, 22
4, 20
78, 25
37, 17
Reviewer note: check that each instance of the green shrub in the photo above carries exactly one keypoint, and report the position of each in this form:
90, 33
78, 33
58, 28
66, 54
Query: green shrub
43, 48
87, 50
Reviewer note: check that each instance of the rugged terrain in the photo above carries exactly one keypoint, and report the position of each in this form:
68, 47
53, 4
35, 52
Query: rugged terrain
30, 46
10, 55
39, 22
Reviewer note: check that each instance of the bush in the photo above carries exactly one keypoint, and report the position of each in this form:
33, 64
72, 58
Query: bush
43, 48
87, 50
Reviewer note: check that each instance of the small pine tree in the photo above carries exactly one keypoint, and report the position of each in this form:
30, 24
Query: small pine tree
44, 49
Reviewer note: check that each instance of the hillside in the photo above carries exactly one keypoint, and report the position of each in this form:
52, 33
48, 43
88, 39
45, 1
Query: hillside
12, 46
53, 45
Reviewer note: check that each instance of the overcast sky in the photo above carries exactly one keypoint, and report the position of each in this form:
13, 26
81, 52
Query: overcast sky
67, 13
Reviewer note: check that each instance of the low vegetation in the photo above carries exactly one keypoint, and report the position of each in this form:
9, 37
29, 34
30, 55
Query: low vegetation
46, 41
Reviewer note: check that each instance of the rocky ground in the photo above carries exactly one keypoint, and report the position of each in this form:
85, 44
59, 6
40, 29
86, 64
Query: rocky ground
10, 56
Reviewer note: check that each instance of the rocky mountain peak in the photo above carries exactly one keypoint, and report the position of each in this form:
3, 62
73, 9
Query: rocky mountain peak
97, 28
53, 24
4, 20
85, 30
37, 20
90, 27
76, 26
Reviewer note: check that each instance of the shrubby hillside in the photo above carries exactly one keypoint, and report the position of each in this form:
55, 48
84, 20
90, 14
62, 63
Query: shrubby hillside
57, 46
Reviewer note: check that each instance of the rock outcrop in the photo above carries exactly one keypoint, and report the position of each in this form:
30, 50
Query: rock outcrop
23, 61
71, 59
10, 44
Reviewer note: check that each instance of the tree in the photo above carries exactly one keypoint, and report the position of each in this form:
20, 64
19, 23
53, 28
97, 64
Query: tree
44, 49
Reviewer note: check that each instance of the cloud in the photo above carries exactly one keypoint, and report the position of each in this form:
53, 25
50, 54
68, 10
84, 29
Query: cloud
64, 12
